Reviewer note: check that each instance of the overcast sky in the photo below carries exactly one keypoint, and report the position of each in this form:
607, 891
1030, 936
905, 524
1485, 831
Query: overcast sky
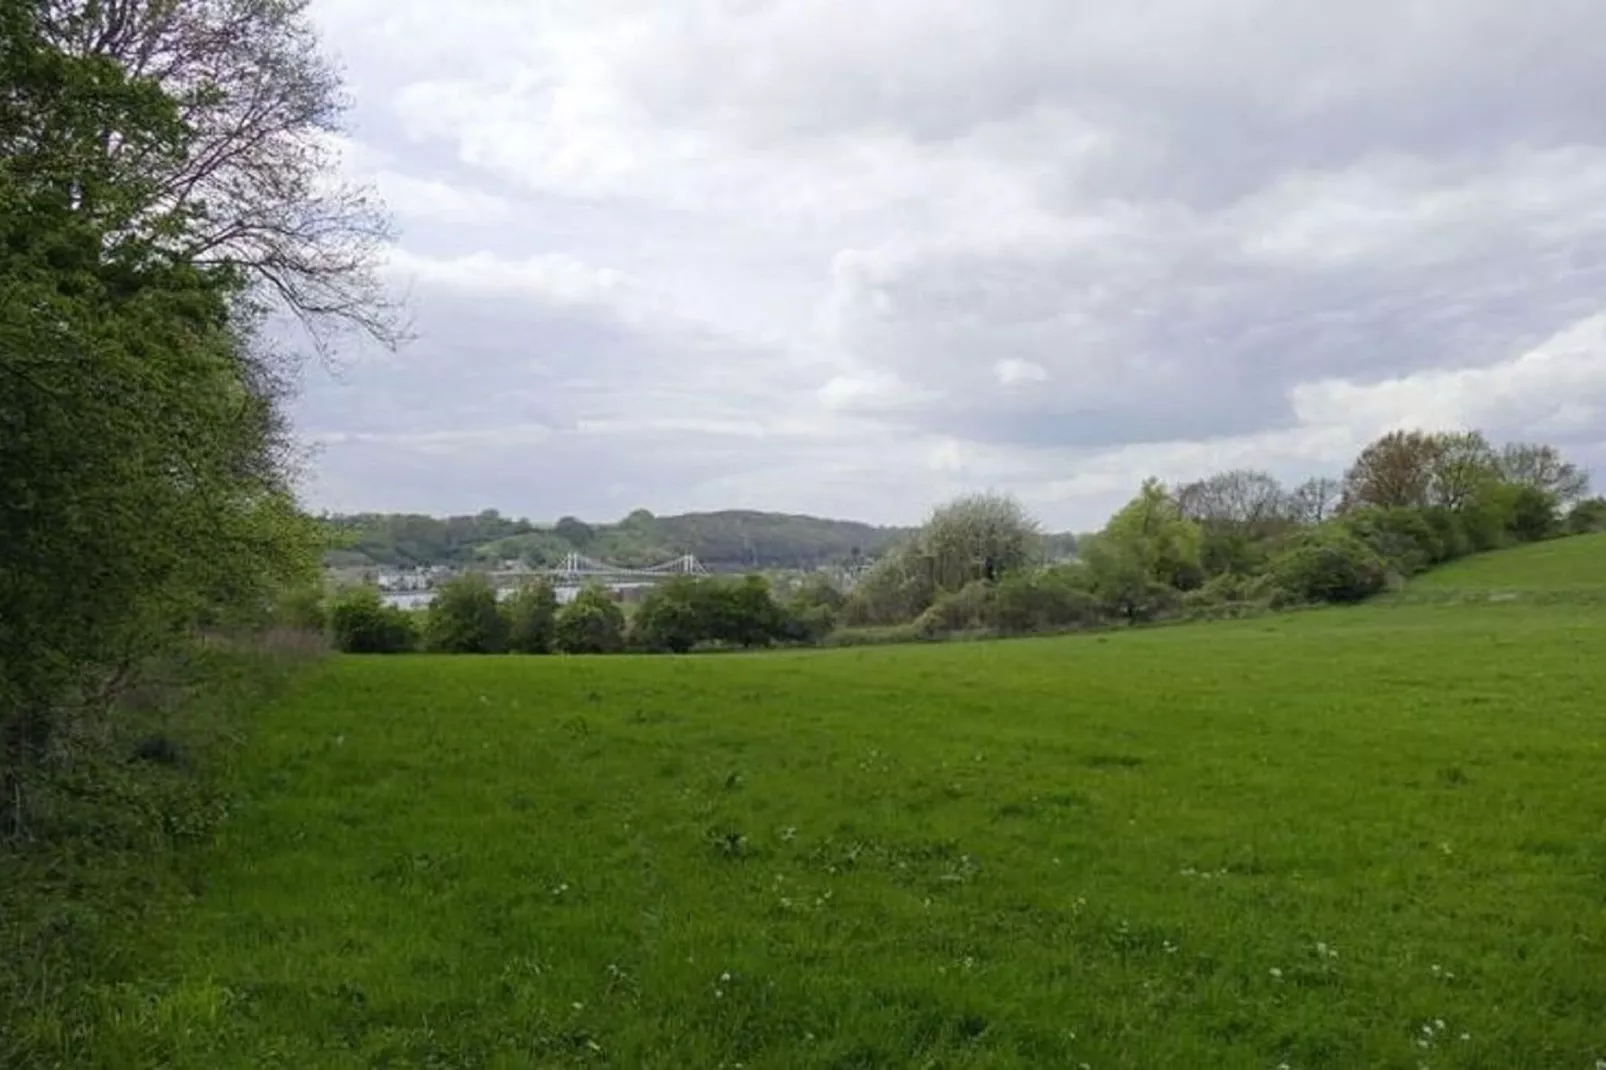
855, 258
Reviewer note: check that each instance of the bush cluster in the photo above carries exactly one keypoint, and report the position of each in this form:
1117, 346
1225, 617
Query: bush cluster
684, 613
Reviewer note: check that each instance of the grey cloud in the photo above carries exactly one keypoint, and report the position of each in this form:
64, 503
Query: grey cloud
1179, 212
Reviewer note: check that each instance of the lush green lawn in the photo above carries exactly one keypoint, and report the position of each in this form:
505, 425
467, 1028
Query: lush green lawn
1363, 838
1563, 565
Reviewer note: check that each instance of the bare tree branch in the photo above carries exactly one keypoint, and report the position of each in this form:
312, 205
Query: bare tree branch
257, 187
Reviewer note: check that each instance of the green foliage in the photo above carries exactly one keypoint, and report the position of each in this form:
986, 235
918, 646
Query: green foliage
977, 537
361, 623
577, 533
532, 613
894, 590
464, 618
1120, 576
1543, 468
1056, 597
723, 540
1330, 564
1152, 530
592, 623
412, 540
745, 613
967, 609
674, 617
1530, 512
304, 607
1587, 516
144, 473
117, 827
1403, 538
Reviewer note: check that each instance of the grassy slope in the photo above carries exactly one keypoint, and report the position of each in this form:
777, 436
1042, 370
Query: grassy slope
1564, 565
1120, 851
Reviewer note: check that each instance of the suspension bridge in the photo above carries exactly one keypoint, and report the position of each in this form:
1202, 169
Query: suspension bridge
577, 569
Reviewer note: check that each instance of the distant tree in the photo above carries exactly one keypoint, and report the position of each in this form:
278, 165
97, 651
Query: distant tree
1405, 539
1587, 516
1464, 464
1396, 471
465, 619
978, 536
746, 614
1152, 531
817, 591
1121, 577
1419, 469
1315, 500
1329, 564
531, 618
1056, 597
1532, 512
894, 590
1543, 468
1244, 499
577, 533
592, 623
674, 616
360, 623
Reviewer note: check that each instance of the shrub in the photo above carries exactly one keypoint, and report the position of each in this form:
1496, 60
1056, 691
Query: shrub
808, 624
1329, 565
967, 609
532, 614
465, 619
303, 608
673, 617
1055, 597
1587, 516
360, 623
1265, 590
816, 591
1531, 514
1452, 532
744, 613
591, 624
894, 590
1402, 537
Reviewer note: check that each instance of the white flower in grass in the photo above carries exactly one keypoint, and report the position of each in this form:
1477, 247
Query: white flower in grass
1278, 974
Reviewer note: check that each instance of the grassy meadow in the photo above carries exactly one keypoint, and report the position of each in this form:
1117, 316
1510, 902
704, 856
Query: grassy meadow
1569, 569
1371, 837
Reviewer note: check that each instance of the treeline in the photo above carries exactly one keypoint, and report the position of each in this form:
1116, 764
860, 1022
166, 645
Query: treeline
162, 191
1235, 542
730, 540
682, 614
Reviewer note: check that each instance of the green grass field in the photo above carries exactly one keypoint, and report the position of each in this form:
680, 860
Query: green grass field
1563, 566
1346, 838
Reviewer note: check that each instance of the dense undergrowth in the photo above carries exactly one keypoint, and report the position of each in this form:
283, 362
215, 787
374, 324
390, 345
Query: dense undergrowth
116, 813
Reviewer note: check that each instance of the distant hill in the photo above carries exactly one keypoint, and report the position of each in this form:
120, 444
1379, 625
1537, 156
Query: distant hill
724, 541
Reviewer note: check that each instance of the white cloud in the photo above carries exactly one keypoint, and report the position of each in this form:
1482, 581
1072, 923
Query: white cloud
1015, 372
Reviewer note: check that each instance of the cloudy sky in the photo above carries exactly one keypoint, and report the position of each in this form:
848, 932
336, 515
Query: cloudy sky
854, 258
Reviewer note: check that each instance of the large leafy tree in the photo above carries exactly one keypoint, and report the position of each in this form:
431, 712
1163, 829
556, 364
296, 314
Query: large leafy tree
144, 462
255, 187
1421, 469
1543, 468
